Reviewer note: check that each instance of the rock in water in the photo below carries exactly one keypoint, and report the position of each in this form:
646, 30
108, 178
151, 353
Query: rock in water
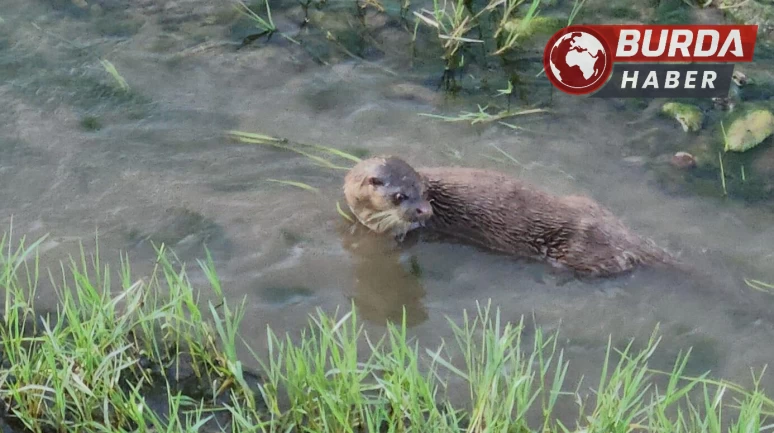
689, 116
683, 160
749, 130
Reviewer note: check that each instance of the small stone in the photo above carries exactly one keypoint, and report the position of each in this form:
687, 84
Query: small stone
740, 79
683, 160
689, 116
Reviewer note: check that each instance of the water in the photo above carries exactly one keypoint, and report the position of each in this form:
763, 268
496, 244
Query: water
78, 157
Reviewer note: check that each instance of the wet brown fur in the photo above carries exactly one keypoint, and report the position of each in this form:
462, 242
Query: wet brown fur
503, 214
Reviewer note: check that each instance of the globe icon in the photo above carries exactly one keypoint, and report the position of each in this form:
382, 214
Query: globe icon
578, 60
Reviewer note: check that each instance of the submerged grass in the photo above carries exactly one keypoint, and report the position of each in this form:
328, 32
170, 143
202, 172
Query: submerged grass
300, 148
302, 185
759, 285
117, 77
482, 116
344, 214
496, 34
89, 367
264, 23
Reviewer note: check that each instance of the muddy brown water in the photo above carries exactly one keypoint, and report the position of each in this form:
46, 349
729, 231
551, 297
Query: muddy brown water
78, 158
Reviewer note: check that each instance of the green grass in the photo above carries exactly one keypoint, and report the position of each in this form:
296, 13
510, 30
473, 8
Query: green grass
482, 116
452, 34
85, 366
296, 184
113, 72
760, 286
89, 366
299, 148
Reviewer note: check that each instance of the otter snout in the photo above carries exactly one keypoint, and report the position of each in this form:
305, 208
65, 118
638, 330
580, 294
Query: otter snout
418, 211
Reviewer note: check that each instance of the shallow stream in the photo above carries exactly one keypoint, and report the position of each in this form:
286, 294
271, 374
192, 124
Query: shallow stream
79, 157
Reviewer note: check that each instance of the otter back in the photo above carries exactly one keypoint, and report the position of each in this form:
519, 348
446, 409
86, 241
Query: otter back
503, 214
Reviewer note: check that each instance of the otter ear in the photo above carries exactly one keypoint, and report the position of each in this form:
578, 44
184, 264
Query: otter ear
375, 181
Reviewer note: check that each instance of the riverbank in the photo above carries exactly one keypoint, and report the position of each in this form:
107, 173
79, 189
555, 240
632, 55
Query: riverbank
155, 353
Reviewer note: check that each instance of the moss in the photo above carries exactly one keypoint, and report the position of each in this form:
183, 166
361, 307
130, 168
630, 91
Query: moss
746, 127
689, 116
91, 123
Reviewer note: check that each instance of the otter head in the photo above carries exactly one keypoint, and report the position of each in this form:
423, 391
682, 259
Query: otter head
387, 195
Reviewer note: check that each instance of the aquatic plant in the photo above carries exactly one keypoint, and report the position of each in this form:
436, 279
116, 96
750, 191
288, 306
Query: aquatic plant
510, 29
482, 116
499, 28
265, 24
452, 22
113, 346
689, 116
296, 147
111, 69
297, 184
759, 285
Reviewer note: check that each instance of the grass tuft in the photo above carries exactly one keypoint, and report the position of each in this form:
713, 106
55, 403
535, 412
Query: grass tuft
116, 342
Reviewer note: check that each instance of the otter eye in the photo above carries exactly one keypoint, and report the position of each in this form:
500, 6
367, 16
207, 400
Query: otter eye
400, 197
375, 181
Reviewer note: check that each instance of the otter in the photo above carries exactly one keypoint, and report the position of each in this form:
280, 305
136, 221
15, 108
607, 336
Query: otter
498, 213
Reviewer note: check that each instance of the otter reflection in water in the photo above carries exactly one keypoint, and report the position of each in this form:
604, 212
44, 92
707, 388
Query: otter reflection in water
384, 284
496, 212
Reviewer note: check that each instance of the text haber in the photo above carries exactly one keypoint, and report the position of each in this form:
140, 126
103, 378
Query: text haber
681, 40
671, 80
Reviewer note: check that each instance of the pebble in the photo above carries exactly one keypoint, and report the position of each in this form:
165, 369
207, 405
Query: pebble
683, 160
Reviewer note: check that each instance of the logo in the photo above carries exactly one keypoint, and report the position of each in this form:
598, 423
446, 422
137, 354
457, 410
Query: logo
579, 60
656, 61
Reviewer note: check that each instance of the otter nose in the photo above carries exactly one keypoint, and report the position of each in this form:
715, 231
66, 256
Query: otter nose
424, 210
